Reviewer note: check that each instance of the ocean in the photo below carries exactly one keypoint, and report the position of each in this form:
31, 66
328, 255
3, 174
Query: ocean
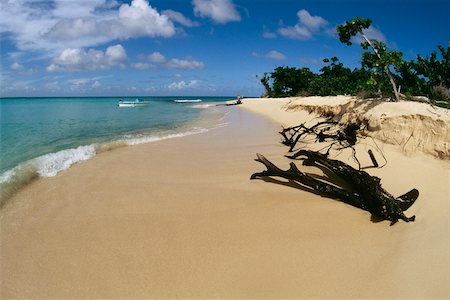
44, 136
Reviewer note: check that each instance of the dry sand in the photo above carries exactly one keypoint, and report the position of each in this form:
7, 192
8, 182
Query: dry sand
181, 219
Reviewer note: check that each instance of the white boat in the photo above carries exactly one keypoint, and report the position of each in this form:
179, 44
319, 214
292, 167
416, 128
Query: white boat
132, 103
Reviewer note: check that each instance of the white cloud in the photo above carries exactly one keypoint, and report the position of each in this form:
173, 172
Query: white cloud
76, 9
158, 60
140, 19
373, 33
96, 84
311, 22
20, 69
273, 54
185, 64
175, 16
115, 54
181, 85
17, 67
296, 32
306, 27
82, 83
269, 35
54, 26
141, 66
76, 59
220, 11
53, 68
156, 57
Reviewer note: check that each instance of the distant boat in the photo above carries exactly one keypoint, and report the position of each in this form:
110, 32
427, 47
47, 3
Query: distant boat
132, 103
188, 101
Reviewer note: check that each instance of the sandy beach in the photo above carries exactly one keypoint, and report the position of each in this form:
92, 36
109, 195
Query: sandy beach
180, 218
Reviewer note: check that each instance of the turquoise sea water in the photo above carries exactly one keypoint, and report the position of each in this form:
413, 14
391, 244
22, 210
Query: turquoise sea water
42, 136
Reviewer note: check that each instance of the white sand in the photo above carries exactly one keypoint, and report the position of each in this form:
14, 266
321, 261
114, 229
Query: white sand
413, 126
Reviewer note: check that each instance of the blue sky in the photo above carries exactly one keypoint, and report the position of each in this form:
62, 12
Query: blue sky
192, 47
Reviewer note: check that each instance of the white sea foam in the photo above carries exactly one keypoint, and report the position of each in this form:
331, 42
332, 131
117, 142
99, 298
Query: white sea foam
136, 140
204, 106
187, 101
51, 164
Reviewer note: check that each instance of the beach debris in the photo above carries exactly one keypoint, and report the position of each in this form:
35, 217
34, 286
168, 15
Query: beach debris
343, 183
344, 136
372, 158
237, 102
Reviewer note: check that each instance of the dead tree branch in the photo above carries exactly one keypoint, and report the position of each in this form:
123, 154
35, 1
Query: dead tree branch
365, 193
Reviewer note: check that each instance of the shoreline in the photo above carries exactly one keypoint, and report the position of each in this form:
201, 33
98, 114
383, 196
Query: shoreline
52, 163
180, 218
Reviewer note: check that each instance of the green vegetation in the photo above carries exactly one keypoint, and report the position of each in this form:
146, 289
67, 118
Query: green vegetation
382, 73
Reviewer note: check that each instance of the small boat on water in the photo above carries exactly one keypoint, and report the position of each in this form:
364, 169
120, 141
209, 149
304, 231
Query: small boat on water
132, 103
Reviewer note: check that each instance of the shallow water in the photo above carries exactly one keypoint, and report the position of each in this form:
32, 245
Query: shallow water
42, 136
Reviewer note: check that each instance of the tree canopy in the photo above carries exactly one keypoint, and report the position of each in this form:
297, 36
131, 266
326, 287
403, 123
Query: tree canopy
382, 72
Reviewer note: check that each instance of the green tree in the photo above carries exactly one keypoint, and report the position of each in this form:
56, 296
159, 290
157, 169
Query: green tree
334, 79
436, 71
379, 59
411, 81
287, 81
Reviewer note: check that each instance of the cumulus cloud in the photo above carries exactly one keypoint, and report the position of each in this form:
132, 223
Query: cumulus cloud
84, 83
179, 18
140, 19
373, 33
185, 64
220, 11
134, 20
311, 22
273, 54
306, 27
61, 24
20, 69
17, 67
141, 66
182, 85
156, 57
158, 60
74, 9
77, 59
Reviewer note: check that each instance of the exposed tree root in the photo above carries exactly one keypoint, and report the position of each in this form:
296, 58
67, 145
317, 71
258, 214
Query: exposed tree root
365, 191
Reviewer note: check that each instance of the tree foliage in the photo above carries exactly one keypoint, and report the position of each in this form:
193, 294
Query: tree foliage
382, 71
378, 58
436, 71
287, 81
333, 79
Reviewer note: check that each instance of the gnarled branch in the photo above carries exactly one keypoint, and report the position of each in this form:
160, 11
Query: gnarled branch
365, 190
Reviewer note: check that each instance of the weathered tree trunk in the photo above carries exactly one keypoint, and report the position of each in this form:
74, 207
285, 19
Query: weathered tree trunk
366, 191
386, 68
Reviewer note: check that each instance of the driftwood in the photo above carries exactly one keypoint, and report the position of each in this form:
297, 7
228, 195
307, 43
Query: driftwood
364, 192
325, 131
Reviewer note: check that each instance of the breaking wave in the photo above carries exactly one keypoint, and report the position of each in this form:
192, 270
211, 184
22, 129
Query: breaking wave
51, 164
187, 101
